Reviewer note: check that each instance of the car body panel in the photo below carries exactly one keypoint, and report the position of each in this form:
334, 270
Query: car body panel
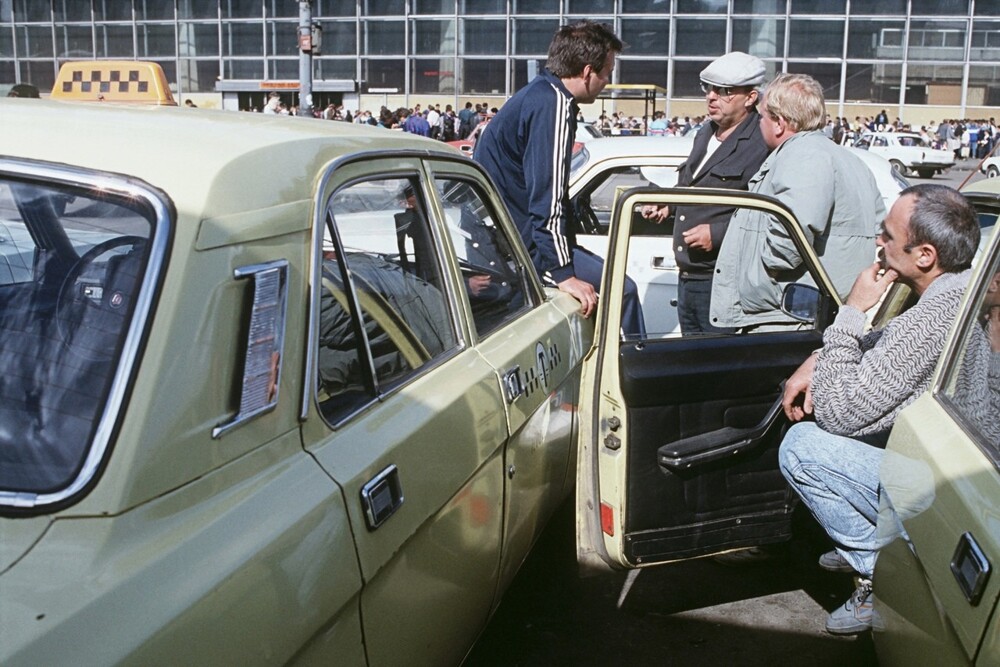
253, 534
158, 577
652, 392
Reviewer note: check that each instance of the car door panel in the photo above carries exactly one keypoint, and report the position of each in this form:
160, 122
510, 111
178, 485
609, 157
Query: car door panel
542, 419
684, 439
674, 396
423, 452
535, 342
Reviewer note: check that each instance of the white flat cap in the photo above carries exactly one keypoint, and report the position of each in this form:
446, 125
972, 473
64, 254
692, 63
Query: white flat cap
735, 69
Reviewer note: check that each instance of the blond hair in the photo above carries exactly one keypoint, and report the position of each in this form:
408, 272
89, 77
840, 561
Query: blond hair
798, 98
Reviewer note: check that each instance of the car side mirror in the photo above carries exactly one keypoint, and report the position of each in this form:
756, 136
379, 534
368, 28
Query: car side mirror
801, 302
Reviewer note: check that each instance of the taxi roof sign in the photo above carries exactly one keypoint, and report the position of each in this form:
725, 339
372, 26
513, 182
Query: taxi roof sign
120, 81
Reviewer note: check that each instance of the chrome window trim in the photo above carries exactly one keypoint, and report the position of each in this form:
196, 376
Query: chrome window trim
126, 188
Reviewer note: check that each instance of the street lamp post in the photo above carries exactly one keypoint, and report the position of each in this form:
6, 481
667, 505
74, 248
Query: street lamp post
305, 58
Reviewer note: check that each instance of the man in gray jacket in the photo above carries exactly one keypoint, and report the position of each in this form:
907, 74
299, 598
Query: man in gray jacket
829, 190
859, 382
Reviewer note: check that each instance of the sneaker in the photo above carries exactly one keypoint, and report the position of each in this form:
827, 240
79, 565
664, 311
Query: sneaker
745, 556
855, 615
832, 561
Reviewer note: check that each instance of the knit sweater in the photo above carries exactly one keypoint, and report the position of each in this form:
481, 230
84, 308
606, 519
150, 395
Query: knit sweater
862, 381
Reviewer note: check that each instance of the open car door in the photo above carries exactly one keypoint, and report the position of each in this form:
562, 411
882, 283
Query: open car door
678, 455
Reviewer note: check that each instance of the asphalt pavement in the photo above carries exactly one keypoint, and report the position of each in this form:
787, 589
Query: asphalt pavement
696, 612
691, 613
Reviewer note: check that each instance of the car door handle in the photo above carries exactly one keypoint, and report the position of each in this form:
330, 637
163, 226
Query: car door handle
660, 263
381, 497
971, 568
714, 445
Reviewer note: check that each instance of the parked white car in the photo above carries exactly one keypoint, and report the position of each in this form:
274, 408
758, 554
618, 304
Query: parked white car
907, 151
601, 170
991, 166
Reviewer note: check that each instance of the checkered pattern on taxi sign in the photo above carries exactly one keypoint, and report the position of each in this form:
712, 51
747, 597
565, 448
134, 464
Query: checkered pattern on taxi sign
105, 82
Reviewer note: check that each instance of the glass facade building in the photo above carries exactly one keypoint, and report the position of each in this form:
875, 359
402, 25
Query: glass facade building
893, 54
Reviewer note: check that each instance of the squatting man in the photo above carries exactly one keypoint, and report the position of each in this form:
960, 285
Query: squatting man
857, 384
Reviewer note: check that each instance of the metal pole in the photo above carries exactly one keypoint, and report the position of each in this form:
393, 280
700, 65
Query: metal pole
305, 59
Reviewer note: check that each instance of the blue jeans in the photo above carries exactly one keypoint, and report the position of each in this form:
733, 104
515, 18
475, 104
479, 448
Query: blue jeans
589, 268
837, 479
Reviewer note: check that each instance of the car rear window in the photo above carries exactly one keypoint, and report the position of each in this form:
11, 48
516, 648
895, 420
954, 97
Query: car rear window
72, 262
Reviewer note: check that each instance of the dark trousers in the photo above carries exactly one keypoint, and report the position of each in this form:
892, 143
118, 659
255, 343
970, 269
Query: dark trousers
588, 267
694, 298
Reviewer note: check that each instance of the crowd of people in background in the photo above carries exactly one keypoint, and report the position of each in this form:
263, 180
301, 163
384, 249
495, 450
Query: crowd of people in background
967, 138
430, 121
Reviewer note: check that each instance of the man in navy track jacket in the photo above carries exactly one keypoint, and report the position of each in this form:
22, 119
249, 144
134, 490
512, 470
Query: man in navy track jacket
527, 148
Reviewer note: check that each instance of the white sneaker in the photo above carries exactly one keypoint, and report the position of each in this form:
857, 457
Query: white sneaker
855, 615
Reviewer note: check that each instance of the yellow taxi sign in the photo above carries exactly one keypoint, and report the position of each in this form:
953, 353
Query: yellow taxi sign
121, 81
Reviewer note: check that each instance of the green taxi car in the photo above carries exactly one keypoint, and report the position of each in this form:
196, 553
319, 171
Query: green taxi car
275, 391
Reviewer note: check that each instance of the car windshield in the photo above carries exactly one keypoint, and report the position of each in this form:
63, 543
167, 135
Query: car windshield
71, 265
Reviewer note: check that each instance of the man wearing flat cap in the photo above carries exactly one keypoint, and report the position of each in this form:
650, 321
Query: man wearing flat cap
829, 190
727, 152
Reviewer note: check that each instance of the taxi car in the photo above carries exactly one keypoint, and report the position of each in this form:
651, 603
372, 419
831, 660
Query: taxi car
907, 151
275, 391
936, 592
602, 169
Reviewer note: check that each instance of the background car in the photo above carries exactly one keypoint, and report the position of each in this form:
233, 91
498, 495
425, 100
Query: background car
991, 166
907, 151
274, 390
601, 170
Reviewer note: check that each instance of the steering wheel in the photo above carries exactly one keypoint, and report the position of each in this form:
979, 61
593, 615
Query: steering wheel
471, 269
88, 315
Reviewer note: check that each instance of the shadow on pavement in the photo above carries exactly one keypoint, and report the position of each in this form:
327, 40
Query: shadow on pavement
693, 613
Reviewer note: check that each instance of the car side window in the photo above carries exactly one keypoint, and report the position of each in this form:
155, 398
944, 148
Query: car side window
72, 265
971, 386
593, 207
383, 311
491, 274
734, 285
